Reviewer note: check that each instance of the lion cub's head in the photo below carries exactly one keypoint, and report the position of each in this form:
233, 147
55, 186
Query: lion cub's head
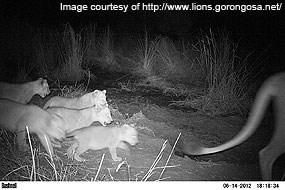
42, 87
104, 116
99, 98
129, 134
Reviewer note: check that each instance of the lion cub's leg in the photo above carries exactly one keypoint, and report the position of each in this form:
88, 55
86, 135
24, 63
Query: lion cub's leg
71, 151
113, 152
78, 158
82, 147
123, 145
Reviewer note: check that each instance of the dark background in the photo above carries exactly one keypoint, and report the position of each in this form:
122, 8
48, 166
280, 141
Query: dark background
259, 31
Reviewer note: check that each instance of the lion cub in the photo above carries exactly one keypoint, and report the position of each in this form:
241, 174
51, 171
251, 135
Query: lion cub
98, 137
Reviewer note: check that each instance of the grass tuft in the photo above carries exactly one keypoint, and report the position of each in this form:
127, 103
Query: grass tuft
72, 51
147, 55
225, 74
154, 166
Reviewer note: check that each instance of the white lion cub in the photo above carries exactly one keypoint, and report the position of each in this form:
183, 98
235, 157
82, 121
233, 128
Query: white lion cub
96, 98
98, 137
23, 93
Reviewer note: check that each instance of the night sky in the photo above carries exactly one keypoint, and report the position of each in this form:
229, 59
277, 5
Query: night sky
48, 12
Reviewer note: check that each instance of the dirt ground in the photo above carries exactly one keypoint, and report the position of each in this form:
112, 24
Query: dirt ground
154, 158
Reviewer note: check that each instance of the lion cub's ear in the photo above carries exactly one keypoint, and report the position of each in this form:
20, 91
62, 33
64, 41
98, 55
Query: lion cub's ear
42, 81
126, 128
95, 92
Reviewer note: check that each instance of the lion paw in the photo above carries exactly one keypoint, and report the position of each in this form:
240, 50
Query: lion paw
70, 152
117, 159
78, 158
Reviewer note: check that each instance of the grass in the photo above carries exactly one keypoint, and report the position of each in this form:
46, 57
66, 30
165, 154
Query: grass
72, 51
226, 77
128, 86
57, 54
23, 73
101, 50
106, 47
92, 50
147, 55
211, 62
74, 90
45, 57
154, 167
165, 63
71, 91
168, 56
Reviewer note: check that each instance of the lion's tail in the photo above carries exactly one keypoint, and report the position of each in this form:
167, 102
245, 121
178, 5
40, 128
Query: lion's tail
263, 97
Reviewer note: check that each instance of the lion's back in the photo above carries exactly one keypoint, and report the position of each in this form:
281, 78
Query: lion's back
58, 101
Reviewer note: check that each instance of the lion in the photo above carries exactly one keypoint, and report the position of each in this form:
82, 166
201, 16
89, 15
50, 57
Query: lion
78, 118
23, 93
96, 98
272, 89
15, 117
99, 137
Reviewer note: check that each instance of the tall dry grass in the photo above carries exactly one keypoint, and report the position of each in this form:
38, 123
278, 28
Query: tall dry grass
212, 62
106, 46
72, 49
176, 61
226, 75
101, 52
147, 55
59, 54
168, 54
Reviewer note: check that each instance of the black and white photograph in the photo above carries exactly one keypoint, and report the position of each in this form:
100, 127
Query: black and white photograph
133, 91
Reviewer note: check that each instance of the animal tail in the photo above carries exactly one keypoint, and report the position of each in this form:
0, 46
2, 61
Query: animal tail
263, 97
